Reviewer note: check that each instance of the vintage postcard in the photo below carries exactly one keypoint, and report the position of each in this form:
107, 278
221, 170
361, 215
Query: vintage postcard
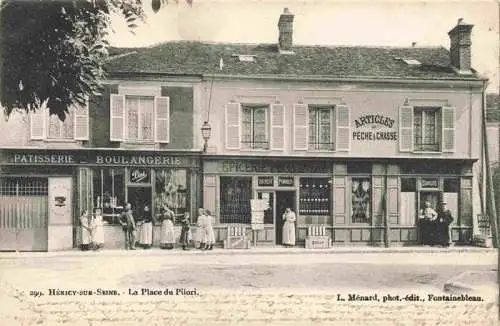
212, 162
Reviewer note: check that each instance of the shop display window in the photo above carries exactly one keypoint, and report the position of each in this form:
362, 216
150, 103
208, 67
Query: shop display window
361, 200
315, 196
171, 190
108, 192
235, 196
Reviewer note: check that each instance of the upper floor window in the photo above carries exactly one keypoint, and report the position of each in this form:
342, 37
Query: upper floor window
140, 118
321, 128
46, 126
255, 133
427, 129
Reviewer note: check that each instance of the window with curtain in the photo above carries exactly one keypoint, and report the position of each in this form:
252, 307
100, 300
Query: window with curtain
140, 118
255, 131
361, 200
171, 190
427, 127
58, 129
321, 130
235, 196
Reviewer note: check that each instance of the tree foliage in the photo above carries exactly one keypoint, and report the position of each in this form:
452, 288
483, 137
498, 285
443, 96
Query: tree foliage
52, 53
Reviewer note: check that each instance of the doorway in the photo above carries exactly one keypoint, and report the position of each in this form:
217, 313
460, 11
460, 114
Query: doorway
284, 200
139, 197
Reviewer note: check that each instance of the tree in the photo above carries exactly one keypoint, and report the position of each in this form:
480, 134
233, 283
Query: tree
53, 52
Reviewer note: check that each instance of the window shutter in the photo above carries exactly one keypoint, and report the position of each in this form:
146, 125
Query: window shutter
117, 121
233, 126
448, 129
38, 124
300, 127
81, 122
342, 130
278, 126
406, 129
162, 119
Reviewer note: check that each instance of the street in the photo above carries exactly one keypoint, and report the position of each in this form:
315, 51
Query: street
175, 288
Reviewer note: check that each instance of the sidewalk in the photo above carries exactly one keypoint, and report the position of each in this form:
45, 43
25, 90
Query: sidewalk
251, 251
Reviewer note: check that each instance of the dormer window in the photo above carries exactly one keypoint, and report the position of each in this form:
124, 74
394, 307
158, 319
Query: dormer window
409, 61
245, 57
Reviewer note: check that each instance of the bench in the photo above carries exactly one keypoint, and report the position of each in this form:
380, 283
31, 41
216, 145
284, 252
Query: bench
236, 237
317, 237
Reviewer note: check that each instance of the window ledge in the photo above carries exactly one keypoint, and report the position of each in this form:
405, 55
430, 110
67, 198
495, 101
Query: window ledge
428, 152
61, 140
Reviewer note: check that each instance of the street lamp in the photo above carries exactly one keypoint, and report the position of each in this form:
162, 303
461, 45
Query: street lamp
206, 130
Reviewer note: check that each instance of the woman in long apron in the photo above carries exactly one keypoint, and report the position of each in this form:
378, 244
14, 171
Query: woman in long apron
200, 230
289, 228
85, 226
209, 231
146, 236
167, 238
97, 230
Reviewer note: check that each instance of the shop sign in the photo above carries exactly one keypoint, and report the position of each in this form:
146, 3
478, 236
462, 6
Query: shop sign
258, 207
138, 175
93, 158
265, 181
429, 183
253, 166
286, 181
377, 123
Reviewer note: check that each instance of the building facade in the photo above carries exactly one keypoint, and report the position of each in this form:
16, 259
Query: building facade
353, 139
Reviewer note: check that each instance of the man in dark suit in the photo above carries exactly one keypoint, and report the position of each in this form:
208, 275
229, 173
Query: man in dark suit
444, 220
128, 224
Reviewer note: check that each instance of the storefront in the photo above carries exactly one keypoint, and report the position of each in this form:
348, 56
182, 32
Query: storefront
351, 198
44, 192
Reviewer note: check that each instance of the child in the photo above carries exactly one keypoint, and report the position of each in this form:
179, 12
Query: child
97, 230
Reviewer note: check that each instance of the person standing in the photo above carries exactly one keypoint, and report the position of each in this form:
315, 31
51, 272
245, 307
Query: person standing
289, 228
167, 237
146, 237
444, 219
209, 230
201, 234
86, 229
97, 229
427, 219
128, 225
185, 231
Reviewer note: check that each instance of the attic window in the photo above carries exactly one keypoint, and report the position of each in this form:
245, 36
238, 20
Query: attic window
410, 62
245, 57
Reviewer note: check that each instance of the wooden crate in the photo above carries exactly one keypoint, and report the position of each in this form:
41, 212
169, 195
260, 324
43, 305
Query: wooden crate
318, 238
236, 238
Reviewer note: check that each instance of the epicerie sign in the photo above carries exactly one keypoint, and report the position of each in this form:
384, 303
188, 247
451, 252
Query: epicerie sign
376, 121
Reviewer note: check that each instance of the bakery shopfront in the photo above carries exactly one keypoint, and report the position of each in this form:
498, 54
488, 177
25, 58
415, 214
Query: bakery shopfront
347, 196
53, 187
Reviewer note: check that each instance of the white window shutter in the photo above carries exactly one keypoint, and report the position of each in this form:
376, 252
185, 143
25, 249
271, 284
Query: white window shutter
117, 117
277, 127
81, 121
300, 127
406, 128
38, 124
233, 126
448, 134
162, 119
342, 128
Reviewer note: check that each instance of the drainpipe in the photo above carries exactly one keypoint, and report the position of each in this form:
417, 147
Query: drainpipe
490, 194
387, 229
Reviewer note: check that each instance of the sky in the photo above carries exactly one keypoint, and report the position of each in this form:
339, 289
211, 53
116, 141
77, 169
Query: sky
324, 22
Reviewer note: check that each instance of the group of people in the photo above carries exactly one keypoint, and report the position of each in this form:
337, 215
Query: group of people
138, 229
435, 226
92, 230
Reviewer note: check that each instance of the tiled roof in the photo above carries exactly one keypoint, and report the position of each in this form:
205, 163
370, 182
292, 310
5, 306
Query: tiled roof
328, 61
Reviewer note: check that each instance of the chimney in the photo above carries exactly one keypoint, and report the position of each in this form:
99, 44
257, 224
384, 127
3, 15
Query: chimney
285, 26
460, 47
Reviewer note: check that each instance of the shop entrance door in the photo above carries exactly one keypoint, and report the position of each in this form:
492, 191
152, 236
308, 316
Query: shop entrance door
284, 200
139, 197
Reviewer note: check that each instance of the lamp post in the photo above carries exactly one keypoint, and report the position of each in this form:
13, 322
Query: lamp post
206, 130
